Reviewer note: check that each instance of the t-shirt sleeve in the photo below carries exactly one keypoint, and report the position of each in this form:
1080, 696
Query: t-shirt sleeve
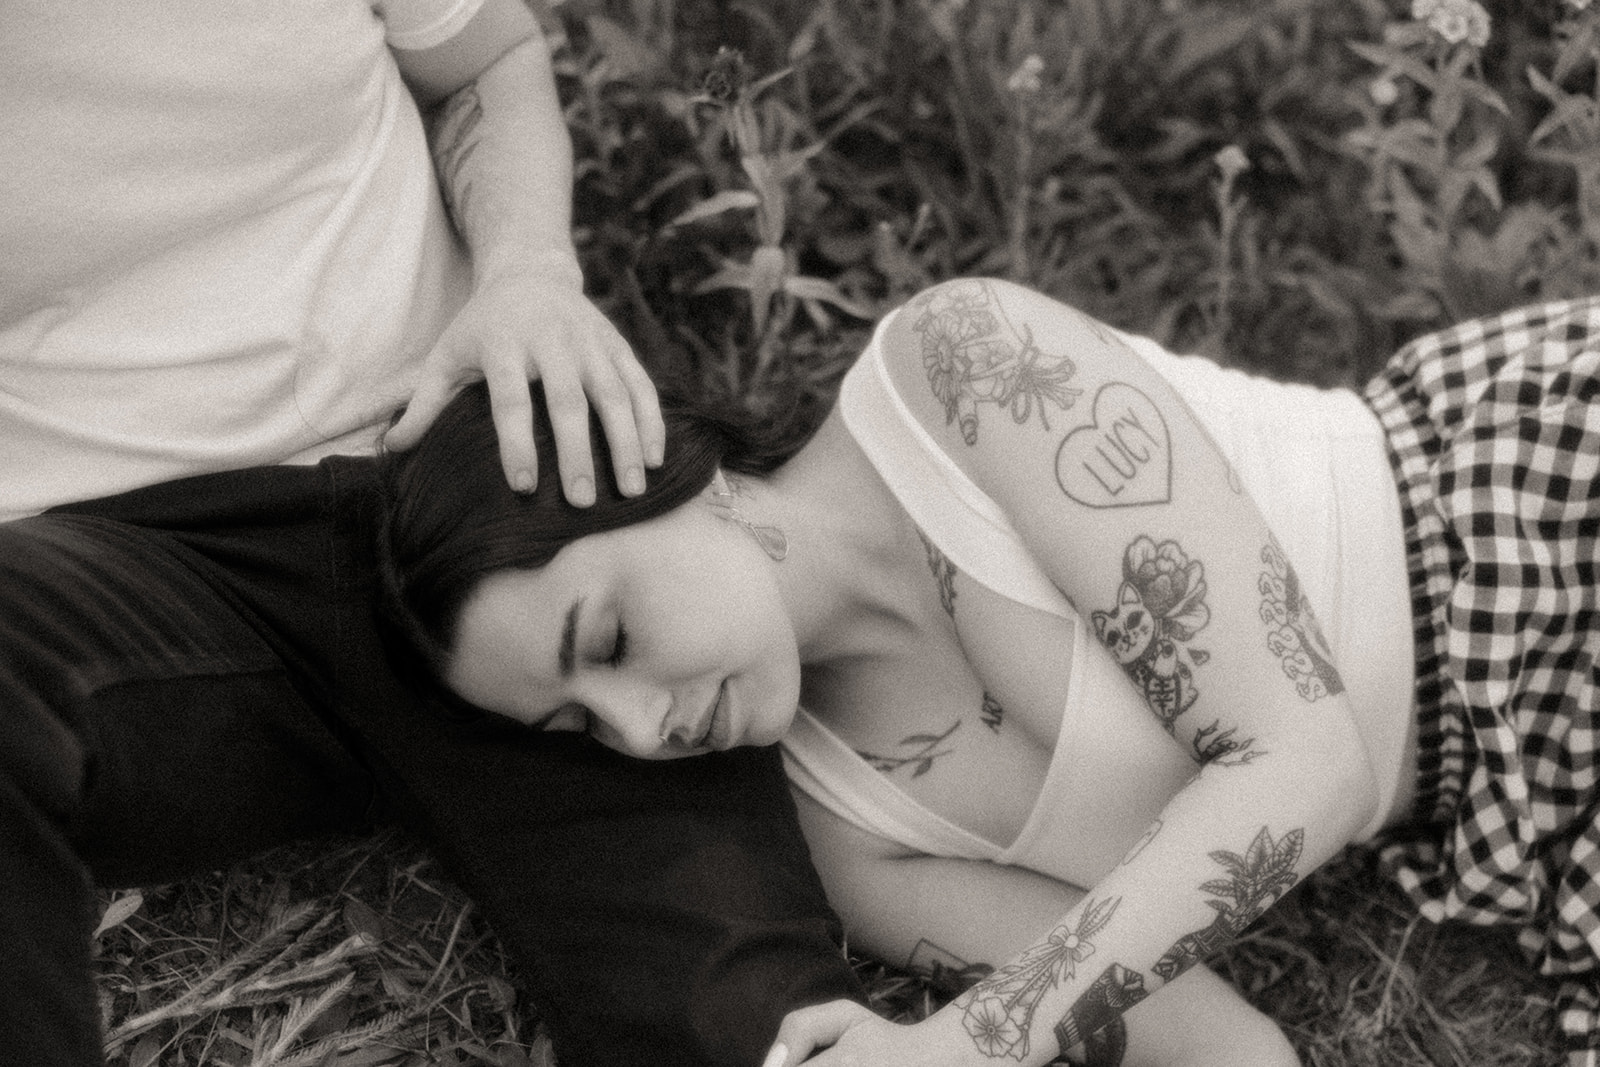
418, 24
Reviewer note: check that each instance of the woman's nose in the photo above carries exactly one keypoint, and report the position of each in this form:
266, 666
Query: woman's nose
633, 716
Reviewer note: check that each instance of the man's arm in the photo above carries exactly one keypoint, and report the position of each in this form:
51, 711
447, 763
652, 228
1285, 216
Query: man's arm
504, 163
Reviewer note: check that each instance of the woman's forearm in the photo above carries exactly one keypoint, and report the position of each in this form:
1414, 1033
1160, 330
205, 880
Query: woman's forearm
1225, 849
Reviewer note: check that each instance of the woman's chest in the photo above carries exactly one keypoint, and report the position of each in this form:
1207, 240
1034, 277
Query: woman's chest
990, 710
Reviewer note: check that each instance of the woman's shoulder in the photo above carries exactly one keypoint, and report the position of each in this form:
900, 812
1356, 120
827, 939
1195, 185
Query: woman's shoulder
975, 361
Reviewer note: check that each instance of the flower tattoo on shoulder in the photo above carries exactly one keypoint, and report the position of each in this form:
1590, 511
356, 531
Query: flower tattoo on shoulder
973, 354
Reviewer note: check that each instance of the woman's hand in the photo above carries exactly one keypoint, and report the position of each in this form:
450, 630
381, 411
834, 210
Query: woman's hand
849, 1035
530, 324
842, 1033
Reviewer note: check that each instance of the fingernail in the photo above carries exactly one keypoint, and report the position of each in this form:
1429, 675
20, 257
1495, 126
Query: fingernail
777, 1057
633, 481
581, 492
522, 481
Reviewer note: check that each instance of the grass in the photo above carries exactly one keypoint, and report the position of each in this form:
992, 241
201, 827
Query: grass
1292, 186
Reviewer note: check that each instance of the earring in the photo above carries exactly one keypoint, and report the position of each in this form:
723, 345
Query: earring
770, 538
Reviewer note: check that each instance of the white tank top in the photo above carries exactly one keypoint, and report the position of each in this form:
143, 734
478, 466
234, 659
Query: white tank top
1314, 461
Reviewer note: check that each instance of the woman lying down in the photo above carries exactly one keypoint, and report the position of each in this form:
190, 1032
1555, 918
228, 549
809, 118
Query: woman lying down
1098, 651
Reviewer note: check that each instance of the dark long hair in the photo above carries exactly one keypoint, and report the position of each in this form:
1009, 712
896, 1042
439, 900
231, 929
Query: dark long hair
450, 519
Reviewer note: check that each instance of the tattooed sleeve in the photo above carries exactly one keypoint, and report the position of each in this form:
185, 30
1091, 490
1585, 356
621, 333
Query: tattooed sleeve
455, 139
998, 1011
974, 355
1253, 883
1161, 606
1292, 631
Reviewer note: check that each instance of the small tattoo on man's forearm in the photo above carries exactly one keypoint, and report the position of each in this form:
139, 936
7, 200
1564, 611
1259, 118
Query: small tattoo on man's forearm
455, 139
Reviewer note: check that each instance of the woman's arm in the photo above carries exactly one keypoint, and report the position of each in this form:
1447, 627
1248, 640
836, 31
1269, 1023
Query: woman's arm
504, 163
935, 915
1134, 514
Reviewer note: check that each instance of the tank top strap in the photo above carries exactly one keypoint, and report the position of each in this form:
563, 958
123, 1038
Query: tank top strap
967, 525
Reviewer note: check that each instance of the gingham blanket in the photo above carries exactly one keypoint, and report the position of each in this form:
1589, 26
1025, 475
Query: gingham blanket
1494, 432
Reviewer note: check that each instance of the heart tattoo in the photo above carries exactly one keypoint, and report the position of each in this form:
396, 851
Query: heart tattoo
1124, 459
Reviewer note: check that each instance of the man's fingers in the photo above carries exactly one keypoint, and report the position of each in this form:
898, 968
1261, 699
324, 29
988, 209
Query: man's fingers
646, 406
433, 393
512, 410
569, 423
613, 404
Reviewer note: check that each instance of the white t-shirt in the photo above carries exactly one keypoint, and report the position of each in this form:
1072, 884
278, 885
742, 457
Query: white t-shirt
223, 242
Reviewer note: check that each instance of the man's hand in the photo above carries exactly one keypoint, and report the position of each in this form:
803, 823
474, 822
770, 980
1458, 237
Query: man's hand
521, 326
504, 161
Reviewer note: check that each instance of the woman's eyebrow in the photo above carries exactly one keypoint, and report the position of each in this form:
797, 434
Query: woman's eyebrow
567, 657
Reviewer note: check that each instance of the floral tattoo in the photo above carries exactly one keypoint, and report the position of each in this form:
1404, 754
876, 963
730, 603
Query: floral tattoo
1292, 631
1161, 605
998, 1011
974, 355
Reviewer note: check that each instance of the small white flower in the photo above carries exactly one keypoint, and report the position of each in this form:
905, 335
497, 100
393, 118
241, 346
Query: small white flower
1026, 78
1454, 21
1383, 91
1232, 161
1578, 5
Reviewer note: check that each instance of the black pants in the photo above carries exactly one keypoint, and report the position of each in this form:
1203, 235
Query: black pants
191, 673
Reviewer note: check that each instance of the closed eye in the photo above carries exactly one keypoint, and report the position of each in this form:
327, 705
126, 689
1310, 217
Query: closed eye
619, 647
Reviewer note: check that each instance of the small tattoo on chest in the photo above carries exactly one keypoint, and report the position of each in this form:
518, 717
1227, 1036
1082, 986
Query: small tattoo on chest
944, 573
992, 713
920, 752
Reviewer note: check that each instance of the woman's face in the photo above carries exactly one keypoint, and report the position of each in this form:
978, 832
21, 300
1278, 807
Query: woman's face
665, 639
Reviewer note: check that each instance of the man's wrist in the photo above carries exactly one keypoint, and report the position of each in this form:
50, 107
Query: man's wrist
552, 266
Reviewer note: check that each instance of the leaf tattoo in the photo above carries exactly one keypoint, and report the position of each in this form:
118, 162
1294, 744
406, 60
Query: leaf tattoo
998, 1012
974, 355
925, 750
1256, 881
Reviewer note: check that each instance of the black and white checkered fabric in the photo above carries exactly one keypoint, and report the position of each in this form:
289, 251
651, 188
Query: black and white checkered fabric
1494, 431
